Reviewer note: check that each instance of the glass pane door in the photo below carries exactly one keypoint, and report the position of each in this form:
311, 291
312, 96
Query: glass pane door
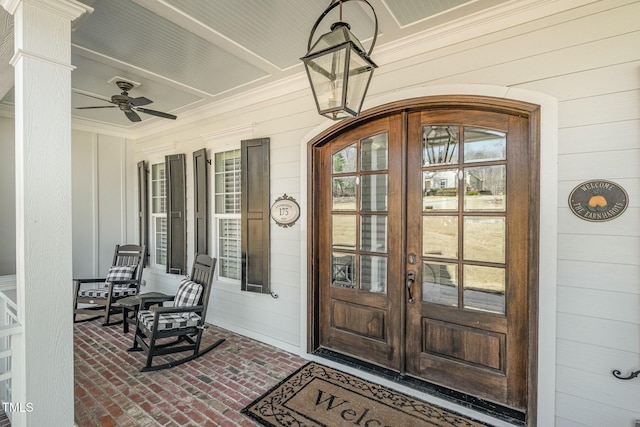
464, 217
359, 215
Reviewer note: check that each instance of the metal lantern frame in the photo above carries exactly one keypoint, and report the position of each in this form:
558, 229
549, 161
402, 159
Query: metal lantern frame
341, 110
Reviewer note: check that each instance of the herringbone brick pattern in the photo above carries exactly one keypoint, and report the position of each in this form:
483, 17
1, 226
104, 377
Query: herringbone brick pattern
208, 391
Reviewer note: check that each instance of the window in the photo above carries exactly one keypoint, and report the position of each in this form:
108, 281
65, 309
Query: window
227, 213
159, 214
240, 216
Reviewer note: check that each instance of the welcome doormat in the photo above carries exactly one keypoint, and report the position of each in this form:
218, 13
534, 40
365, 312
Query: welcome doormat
316, 395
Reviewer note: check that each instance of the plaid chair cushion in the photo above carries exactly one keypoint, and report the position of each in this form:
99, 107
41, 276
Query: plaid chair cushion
167, 321
103, 292
188, 294
120, 272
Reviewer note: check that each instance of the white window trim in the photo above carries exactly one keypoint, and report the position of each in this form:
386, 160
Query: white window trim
152, 220
215, 217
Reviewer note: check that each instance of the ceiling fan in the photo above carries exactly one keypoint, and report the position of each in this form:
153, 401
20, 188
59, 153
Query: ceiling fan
129, 105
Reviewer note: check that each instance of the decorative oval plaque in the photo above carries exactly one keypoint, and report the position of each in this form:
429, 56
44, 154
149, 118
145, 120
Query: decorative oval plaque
598, 200
285, 211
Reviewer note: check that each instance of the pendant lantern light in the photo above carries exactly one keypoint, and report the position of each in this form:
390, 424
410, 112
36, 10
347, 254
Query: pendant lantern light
339, 68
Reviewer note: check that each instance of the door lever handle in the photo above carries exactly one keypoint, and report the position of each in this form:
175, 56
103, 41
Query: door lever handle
411, 277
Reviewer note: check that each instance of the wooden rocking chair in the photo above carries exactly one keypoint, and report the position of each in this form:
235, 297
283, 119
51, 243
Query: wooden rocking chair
180, 326
123, 280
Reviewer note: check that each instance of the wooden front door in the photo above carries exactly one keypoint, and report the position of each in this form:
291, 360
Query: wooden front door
361, 235
425, 248
468, 210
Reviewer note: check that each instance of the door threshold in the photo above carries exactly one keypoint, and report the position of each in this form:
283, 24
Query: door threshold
503, 413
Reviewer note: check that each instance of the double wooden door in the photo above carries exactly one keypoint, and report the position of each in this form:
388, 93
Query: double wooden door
424, 240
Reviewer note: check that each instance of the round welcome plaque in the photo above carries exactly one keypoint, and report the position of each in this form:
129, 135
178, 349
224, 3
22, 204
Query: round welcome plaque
285, 211
598, 200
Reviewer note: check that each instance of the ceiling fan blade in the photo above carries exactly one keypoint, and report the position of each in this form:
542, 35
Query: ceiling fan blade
157, 113
141, 100
132, 116
96, 97
102, 106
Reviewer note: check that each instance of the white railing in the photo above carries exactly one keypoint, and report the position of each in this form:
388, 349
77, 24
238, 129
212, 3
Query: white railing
9, 327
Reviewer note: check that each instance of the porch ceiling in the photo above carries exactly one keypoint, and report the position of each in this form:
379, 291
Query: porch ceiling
184, 54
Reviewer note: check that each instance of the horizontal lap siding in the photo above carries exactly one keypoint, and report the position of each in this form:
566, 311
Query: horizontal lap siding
580, 412
285, 120
599, 263
598, 283
522, 55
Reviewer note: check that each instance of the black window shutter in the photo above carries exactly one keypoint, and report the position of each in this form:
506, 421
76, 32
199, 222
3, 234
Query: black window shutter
176, 214
255, 215
200, 202
143, 205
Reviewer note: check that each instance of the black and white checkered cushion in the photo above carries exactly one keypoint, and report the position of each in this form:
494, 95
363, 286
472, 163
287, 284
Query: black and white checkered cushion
120, 272
167, 321
188, 294
103, 292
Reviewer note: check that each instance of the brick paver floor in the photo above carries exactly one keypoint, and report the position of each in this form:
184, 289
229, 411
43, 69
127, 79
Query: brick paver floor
208, 391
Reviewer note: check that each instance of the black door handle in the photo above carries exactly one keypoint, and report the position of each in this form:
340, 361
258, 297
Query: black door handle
411, 277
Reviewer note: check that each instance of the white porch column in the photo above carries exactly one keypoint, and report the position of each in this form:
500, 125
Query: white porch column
43, 362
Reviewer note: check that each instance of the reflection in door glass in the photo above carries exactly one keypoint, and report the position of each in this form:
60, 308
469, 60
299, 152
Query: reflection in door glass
440, 190
440, 283
373, 190
484, 145
343, 193
343, 230
373, 274
439, 145
484, 238
373, 232
374, 153
484, 288
440, 236
343, 270
345, 160
485, 188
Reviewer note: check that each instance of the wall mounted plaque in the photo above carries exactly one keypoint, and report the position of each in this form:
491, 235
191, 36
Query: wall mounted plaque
285, 211
598, 200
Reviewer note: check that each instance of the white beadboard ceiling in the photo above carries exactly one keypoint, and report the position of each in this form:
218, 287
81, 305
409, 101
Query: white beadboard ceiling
183, 54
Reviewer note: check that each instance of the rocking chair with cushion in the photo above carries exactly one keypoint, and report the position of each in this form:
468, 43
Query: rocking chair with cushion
178, 328
122, 280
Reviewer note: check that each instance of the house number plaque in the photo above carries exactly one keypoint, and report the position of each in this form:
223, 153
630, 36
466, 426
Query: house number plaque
285, 211
598, 200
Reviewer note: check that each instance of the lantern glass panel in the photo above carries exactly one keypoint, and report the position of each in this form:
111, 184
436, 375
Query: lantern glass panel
326, 73
360, 71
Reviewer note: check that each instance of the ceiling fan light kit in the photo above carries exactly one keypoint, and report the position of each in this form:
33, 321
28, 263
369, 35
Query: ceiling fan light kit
129, 105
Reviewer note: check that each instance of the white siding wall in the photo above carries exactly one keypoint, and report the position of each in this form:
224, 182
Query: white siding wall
99, 202
276, 321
